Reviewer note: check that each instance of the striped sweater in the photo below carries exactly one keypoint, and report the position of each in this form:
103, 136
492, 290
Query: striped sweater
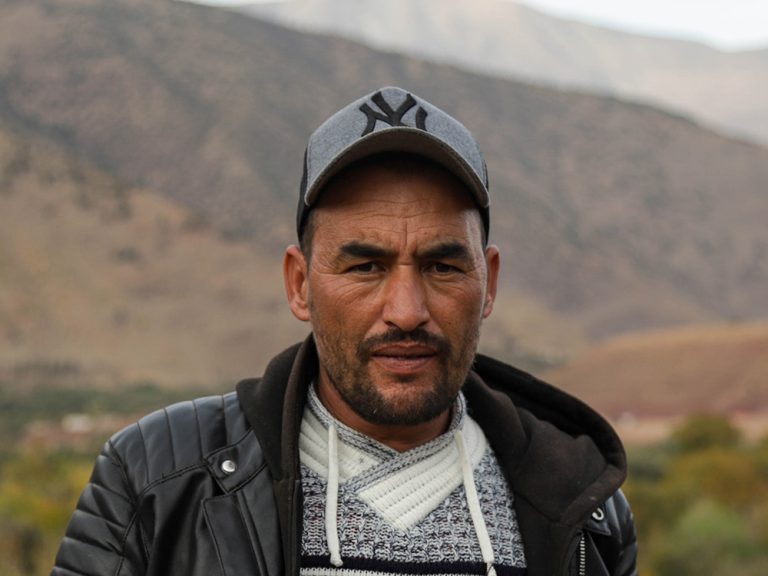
409, 512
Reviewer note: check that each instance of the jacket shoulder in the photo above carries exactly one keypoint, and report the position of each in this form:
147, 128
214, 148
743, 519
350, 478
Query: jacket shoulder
612, 532
621, 520
177, 438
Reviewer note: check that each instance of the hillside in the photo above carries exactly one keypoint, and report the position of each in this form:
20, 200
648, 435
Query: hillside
609, 215
103, 284
663, 374
506, 38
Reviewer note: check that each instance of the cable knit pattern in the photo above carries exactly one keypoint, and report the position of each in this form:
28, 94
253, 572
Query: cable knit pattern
407, 497
404, 512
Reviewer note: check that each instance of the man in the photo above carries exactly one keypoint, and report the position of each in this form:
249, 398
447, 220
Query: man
382, 444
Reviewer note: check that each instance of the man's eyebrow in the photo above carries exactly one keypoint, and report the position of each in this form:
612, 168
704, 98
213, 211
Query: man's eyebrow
364, 250
446, 250
441, 251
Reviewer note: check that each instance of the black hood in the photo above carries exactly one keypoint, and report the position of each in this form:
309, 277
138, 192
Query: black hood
566, 459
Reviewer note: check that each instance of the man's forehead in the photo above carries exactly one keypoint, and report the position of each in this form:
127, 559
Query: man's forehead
396, 186
395, 194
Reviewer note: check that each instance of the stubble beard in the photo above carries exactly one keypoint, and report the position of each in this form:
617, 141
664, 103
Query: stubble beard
352, 378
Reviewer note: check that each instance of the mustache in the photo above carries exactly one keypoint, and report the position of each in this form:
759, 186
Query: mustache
397, 336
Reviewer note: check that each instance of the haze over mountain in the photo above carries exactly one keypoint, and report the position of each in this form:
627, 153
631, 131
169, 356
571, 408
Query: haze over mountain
610, 216
725, 89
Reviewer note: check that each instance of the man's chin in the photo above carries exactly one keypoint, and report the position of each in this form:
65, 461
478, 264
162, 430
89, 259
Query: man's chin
403, 404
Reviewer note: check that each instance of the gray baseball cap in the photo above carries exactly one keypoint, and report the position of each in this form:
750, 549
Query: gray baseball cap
391, 120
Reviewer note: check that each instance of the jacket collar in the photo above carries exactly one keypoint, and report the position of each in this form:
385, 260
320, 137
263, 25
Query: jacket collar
274, 406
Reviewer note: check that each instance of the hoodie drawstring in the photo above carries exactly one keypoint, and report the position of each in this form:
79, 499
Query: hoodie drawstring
474, 505
332, 497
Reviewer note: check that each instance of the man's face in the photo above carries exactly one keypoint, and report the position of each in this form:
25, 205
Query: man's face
396, 290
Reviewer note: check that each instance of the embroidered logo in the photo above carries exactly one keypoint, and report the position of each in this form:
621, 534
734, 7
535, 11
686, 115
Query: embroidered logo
391, 116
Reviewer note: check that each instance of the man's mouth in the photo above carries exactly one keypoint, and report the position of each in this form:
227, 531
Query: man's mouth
404, 358
405, 350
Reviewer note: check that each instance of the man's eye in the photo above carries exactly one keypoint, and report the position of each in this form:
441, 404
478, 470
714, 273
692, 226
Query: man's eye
364, 268
443, 268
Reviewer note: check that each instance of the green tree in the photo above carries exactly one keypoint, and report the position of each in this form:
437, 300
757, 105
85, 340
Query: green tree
709, 539
728, 477
703, 431
38, 492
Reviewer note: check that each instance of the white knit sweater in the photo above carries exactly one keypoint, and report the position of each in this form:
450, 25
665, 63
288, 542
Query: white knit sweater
440, 508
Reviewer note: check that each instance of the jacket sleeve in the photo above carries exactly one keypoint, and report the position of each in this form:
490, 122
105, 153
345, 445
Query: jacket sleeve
103, 537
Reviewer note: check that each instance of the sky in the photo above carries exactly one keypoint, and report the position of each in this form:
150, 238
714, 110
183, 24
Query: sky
724, 24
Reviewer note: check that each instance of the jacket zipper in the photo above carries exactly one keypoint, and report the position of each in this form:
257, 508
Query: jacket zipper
582, 556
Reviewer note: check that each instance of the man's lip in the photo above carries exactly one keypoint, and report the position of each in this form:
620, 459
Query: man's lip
404, 360
405, 351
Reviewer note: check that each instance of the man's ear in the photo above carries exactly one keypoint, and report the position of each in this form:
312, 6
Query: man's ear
493, 263
296, 277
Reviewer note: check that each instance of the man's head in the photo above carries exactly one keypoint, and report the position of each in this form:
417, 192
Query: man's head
397, 286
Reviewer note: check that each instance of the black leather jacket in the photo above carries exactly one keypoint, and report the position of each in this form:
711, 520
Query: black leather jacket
212, 486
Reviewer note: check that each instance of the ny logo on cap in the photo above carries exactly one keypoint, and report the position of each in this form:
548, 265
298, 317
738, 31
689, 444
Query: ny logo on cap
391, 116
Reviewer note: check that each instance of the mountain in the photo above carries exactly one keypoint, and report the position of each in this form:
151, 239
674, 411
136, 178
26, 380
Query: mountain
610, 216
661, 375
506, 38
106, 284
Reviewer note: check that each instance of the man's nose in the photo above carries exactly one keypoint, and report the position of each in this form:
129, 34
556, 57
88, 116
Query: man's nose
405, 300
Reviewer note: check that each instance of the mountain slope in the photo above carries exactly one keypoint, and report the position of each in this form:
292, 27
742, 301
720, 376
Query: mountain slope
510, 39
105, 284
615, 216
673, 373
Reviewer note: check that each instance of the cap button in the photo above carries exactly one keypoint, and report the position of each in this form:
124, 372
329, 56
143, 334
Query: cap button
228, 466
